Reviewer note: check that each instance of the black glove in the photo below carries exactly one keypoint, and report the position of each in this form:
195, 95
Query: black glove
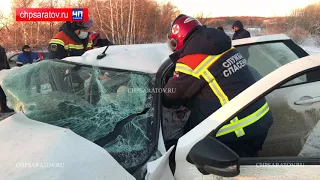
172, 103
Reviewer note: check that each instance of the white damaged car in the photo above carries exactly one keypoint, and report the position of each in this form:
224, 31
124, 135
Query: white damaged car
100, 116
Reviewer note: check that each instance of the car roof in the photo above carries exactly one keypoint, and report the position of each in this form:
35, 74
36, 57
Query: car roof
145, 58
136, 57
258, 39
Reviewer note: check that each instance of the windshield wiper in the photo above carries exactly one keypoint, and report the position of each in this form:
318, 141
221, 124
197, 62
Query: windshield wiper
118, 129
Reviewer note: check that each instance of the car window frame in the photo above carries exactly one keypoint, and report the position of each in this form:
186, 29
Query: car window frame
166, 66
296, 49
156, 127
310, 160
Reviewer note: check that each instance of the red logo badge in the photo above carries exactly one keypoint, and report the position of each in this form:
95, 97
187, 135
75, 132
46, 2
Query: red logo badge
175, 29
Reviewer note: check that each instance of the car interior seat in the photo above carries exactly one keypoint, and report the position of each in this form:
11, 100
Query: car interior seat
121, 92
114, 86
173, 122
93, 93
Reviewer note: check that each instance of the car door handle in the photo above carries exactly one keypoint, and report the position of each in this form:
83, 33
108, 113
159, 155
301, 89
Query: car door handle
307, 101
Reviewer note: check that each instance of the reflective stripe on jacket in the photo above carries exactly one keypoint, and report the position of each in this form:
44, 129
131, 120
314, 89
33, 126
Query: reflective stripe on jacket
227, 76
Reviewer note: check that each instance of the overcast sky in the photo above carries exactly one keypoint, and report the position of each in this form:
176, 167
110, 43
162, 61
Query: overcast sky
217, 8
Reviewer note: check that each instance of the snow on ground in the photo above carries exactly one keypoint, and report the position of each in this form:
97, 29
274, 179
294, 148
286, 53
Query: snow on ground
310, 45
311, 50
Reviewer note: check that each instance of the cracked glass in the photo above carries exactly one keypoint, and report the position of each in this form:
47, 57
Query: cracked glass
101, 105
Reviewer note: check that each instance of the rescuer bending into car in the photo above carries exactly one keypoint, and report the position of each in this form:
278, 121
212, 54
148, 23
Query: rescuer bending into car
209, 72
72, 40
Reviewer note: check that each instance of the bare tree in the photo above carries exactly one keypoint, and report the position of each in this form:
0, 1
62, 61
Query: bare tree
123, 21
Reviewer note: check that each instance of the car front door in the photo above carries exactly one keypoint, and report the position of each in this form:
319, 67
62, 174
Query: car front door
265, 54
293, 154
294, 101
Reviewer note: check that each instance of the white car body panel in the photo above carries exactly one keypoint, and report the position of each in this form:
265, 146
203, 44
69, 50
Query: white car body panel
257, 39
160, 169
23, 140
187, 141
161, 146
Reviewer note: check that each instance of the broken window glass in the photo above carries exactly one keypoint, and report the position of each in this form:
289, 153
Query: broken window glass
112, 108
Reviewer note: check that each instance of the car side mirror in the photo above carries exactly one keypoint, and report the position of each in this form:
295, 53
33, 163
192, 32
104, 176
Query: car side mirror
211, 156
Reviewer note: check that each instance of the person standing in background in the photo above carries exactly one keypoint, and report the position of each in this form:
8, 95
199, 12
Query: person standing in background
220, 28
27, 56
239, 31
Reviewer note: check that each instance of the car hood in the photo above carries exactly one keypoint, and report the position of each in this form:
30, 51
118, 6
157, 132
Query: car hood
35, 150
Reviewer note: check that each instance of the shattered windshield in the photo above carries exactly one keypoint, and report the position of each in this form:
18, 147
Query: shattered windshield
109, 107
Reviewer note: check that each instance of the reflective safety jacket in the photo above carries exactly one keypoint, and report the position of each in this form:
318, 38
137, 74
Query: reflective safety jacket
216, 80
66, 43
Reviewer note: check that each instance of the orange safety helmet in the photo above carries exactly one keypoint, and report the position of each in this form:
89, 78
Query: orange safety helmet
179, 30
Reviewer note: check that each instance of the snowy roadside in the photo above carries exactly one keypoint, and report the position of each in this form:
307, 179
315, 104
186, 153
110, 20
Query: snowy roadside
311, 50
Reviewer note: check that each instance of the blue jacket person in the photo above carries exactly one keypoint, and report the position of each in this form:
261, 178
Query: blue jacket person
27, 56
